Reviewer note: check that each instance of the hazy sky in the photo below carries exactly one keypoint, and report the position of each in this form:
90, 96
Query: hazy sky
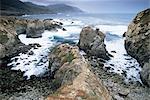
101, 6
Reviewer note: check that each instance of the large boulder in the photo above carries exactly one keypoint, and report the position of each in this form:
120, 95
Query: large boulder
137, 42
10, 45
21, 26
73, 76
92, 42
8, 36
35, 29
50, 24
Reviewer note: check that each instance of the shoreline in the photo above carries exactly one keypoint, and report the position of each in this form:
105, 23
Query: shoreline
43, 86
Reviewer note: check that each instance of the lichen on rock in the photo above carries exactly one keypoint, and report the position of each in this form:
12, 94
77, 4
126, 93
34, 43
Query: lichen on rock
75, 79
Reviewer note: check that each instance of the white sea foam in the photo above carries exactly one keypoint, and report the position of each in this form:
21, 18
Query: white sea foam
120, 63
113, 29
37, 64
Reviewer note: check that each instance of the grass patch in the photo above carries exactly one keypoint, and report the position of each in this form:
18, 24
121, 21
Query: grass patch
69, 57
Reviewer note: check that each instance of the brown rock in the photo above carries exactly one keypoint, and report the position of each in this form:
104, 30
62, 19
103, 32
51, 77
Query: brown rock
74, 77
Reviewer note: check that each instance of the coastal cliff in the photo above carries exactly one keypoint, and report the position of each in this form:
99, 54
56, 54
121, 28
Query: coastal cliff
137, 42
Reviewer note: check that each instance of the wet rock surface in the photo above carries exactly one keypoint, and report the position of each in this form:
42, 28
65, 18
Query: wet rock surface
73, 76
137, 42
92, 42
15, 86
118, 88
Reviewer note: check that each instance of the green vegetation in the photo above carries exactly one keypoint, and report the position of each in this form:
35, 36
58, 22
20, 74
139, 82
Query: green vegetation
69, 57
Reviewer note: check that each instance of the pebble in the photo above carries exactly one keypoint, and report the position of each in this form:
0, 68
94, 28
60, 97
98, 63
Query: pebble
124, 92
113, 51
31, 53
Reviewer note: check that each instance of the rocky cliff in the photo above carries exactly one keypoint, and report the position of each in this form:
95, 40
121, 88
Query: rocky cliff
137, 42
9, 42
11, 27
73, 76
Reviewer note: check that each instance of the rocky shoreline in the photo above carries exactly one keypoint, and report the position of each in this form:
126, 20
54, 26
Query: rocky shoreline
137, 42
73, 75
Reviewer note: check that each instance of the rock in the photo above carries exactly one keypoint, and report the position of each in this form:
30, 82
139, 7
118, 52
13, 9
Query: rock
92, 42
35, 29
8, 37
117, 97
113, 51
145, 73
10, 45
73, 77
21, 26
64, 29
31, 53
124, 34
124, 92
137, 42
51, 24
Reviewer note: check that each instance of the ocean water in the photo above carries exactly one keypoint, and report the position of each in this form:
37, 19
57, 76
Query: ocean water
113, 25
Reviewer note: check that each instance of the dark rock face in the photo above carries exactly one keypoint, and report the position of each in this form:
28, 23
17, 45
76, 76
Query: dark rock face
21, 26
10, 45
11, 27
145, 73
137, 42
92, 42
35, 29
8, 37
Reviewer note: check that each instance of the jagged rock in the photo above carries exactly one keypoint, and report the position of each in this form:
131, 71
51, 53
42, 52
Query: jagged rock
137, 42
92, 42
49, 24
8, 36
73, 77
10, 45
35, 29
